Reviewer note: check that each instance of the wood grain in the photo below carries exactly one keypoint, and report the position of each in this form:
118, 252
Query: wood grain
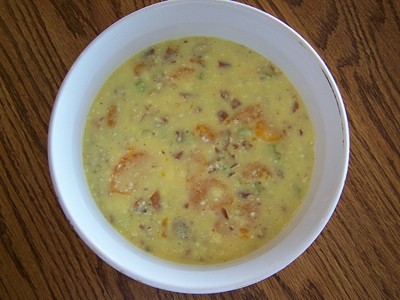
355, 257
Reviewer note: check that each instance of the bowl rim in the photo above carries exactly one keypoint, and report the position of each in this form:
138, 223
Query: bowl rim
211, 288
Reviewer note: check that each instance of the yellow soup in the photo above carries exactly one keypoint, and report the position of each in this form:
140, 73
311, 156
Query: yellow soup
198, 150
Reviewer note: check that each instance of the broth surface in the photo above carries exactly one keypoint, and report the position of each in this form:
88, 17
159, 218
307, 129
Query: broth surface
198, 150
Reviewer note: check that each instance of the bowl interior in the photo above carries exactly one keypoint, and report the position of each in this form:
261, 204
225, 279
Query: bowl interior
174, 19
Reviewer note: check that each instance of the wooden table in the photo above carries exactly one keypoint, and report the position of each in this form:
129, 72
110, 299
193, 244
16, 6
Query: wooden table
356, 256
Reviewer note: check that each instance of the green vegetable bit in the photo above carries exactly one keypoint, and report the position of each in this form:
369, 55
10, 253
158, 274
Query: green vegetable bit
140, 85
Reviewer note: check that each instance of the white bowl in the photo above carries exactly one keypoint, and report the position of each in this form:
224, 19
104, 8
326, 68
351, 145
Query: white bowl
174, 19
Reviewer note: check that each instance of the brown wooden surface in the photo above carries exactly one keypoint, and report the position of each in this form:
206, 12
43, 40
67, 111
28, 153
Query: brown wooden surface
356, 257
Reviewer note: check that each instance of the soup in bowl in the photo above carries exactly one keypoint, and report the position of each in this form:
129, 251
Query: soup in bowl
194, 153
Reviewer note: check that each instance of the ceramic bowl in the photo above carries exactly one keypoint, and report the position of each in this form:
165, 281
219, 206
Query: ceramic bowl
174, 19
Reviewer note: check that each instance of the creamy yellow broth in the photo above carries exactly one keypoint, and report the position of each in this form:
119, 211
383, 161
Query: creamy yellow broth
198, 150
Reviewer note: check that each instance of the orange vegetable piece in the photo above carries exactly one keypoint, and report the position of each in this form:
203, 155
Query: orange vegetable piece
164, 225
247, 115
202, 196
256, 170
112, 116
266, 133
250, 209
196, 164
205, 132
155, 200
223, 226
139, 68
244, 233
180, 72
122, 172
197, 60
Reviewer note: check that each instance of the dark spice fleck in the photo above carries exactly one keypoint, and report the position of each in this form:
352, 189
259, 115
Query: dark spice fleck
223, 64
224, 94
180, 136
178, 155
185, 95
222, 115
170, 53
149, 52
295, 106
224, 213
244, 194
235, 103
